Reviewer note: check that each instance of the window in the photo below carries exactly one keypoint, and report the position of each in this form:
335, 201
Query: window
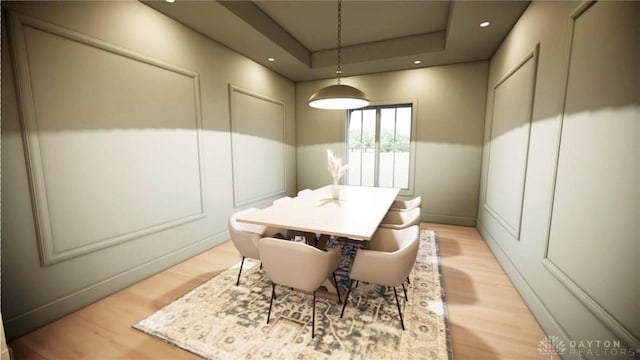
379, 146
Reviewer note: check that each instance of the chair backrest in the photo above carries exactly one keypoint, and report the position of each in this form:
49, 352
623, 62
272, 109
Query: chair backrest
245, 236
391, 240
305, 192
400, 248
408, 240
282, 200
296, 264
401, 219
400, 205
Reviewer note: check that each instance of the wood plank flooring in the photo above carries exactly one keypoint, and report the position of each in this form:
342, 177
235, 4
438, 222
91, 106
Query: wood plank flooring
487, 317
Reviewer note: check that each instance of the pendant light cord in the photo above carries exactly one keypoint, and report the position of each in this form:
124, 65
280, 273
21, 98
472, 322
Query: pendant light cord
339, 69
338, 97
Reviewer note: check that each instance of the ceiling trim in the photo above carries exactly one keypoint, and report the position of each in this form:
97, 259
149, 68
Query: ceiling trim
250, 13
384, 49
246, 28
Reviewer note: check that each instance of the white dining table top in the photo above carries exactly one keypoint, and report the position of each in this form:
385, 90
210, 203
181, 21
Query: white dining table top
355, 215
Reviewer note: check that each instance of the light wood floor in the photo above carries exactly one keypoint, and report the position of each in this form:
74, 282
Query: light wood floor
487, 317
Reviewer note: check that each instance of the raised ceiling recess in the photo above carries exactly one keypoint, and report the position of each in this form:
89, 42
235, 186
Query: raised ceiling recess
378, 35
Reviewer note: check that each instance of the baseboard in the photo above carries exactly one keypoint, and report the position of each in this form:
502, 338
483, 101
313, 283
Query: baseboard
446, 219
35, 318
544, 317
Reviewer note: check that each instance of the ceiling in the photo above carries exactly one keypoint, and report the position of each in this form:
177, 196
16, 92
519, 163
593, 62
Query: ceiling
377, 36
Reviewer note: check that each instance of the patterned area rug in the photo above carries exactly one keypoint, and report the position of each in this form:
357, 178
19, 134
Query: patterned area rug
219, 320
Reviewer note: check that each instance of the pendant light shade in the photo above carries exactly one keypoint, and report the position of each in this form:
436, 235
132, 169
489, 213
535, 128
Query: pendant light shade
340, 96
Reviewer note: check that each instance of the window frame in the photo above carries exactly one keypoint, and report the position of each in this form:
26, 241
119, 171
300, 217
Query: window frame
379, 105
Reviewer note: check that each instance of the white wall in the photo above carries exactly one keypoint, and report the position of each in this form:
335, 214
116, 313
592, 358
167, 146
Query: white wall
126, 163
450, 103
560, 195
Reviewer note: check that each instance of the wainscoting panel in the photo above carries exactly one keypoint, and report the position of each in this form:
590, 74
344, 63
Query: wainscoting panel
112, 140
258, 146
509, 143
597, 198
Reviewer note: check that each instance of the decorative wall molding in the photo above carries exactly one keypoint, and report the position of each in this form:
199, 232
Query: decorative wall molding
242, 149
448, 219
589, 302
500, 218
530, 297
580, 9
32, 145
592, 305
32, 319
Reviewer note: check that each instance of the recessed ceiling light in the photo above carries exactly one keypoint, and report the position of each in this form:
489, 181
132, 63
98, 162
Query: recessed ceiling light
271, 59
417, 62
170, 1
485, 24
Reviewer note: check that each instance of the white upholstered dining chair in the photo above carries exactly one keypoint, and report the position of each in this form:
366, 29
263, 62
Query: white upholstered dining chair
282, 200
387, 261
245, 236
401, 219
305, 192
406, 205
299, 266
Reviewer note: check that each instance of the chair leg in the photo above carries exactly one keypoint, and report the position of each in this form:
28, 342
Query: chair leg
344, 305
405, 293
337, 288
273, 295
408, 281
398, 303
240, 272
313, 317
261, 265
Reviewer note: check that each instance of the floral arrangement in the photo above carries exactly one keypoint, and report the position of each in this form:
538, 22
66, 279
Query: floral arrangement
335, 167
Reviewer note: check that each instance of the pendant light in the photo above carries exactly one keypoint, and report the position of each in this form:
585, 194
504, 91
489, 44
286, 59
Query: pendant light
340, 96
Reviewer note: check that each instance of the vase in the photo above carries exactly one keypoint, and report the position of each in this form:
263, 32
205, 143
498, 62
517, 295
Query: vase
335, 191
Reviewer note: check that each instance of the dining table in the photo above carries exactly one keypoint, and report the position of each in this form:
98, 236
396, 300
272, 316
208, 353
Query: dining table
355, 213
343, 211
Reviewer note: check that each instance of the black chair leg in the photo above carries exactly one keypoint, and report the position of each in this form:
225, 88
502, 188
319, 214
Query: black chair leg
273, 295
405, 293
344, 305
337, 288
240, 272
399, 311
408, 281
260, 265
313, 317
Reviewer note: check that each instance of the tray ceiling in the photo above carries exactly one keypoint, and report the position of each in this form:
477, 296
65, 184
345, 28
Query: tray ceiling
377, 36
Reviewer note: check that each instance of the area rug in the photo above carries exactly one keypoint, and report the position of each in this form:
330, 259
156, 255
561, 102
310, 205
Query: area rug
219, 320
